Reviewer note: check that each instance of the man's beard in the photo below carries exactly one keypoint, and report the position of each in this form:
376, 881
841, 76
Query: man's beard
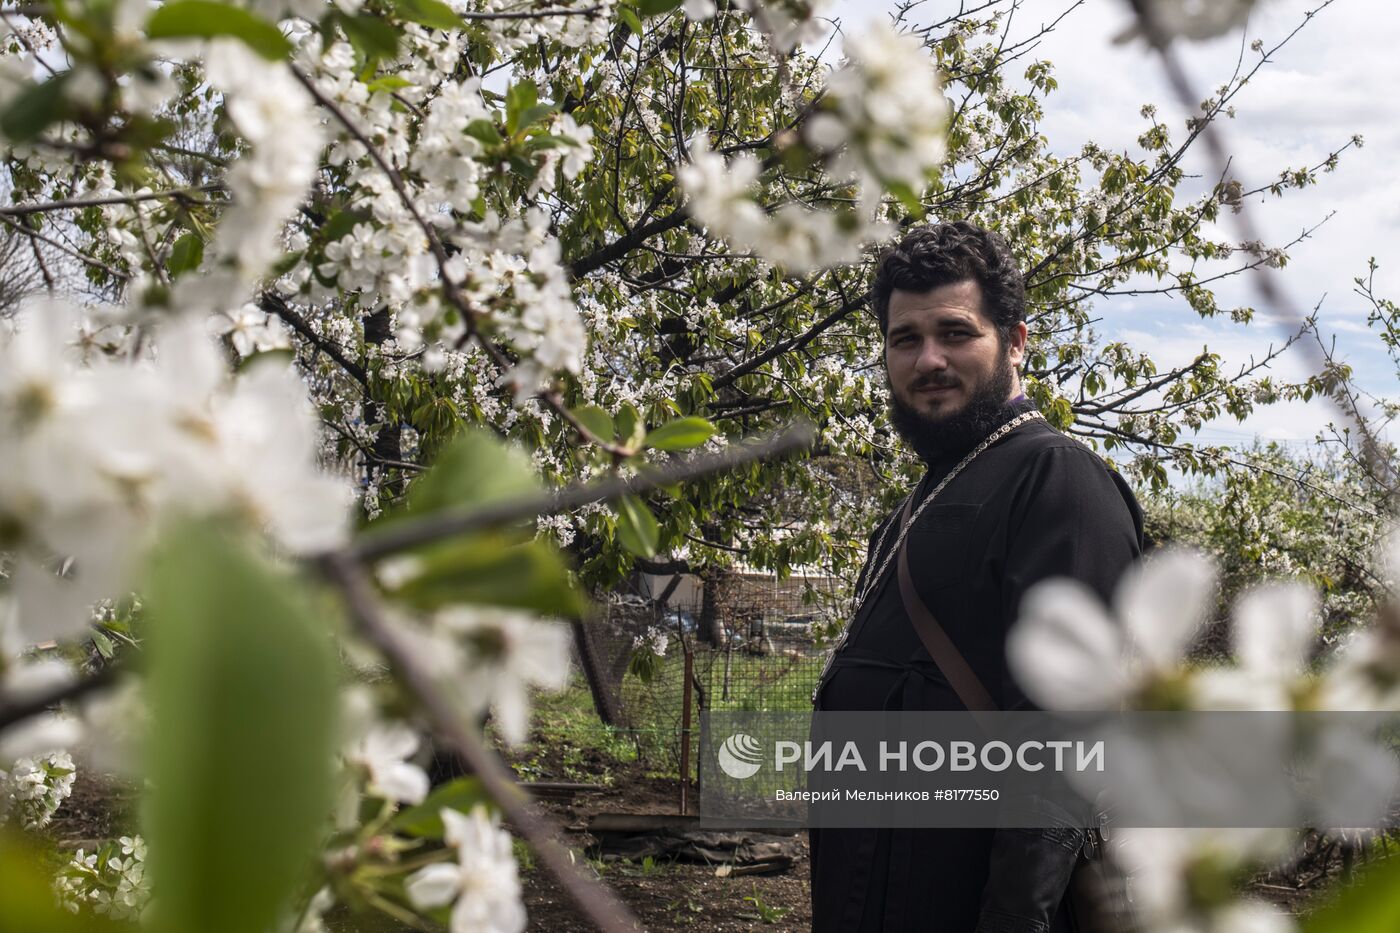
959, 431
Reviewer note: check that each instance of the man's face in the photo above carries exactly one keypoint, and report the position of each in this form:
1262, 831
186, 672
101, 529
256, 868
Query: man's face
945, 362
941, 351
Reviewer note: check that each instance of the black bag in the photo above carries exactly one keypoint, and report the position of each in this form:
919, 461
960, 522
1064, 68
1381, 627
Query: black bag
1098, 894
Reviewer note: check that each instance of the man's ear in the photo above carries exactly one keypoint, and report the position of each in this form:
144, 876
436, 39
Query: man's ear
1016, 344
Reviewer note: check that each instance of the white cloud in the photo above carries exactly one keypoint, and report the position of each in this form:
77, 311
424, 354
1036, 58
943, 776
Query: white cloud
1334, 78
1351, 327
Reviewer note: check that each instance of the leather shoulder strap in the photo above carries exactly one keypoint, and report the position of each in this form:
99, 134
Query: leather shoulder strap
939, 646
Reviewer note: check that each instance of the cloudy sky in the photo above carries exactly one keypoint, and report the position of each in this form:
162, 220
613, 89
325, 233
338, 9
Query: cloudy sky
1335, 78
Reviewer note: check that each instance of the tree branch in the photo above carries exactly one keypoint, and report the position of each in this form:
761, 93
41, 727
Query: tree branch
625, 244
273, 304
794, 343
24, 210
408, 534
470, 314
76, 254
533, 14
21, 709
603, 908
1285, 311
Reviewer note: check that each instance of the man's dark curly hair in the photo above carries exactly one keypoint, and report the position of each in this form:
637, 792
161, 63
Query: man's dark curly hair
940, 254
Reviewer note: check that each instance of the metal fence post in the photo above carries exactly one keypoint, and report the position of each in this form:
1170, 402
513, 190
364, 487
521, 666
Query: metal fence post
685, 729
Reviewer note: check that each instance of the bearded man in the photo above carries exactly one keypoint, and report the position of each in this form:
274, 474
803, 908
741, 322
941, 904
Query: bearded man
1032, 504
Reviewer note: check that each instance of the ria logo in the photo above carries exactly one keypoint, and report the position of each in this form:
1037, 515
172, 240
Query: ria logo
740, 756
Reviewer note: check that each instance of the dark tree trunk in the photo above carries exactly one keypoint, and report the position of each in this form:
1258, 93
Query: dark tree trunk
712, 582
388, 440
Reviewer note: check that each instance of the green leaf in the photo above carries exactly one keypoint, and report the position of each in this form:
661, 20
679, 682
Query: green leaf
1371, 904
432, 13
388, 83
681, 434
907, 197
637, 527
35, 108
185, 255
521, 97
26, 894
371, 36
630, 428
645, 665
486, 569
103, 644
341, 223
242, 680
206, 19
598, 422
539, 143
476, 468
282, 357
532, 115
425, 820
630, 17
286, 264
485, 132
657, 7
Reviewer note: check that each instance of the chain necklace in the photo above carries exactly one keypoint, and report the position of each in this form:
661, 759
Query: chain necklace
990, 439
874, 579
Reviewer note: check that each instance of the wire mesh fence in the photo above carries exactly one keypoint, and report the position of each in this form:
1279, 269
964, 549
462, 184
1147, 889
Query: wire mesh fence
752, 641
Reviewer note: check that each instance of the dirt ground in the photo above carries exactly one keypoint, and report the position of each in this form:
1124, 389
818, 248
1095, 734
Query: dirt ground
666, 895
99, 809
682, 897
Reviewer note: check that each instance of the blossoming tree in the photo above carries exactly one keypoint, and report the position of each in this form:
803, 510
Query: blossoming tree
361, 322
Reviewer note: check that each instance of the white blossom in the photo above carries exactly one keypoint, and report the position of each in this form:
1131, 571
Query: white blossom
116, 722
786, 23
586, 28
561, 527
882, 123
1183, 879
699, 10
483, 881
34, 789
22, 677
1365, 673
250, 330
93, 454
1068, 653
383, 752
653, 641
719, 196
110, 881
1364, 670
510, 652
1274, 626
311, 919
717, 192
580, 144
885, 117
276, 115
445, 156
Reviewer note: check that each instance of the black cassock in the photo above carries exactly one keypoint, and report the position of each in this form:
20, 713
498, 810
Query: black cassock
1035, 504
